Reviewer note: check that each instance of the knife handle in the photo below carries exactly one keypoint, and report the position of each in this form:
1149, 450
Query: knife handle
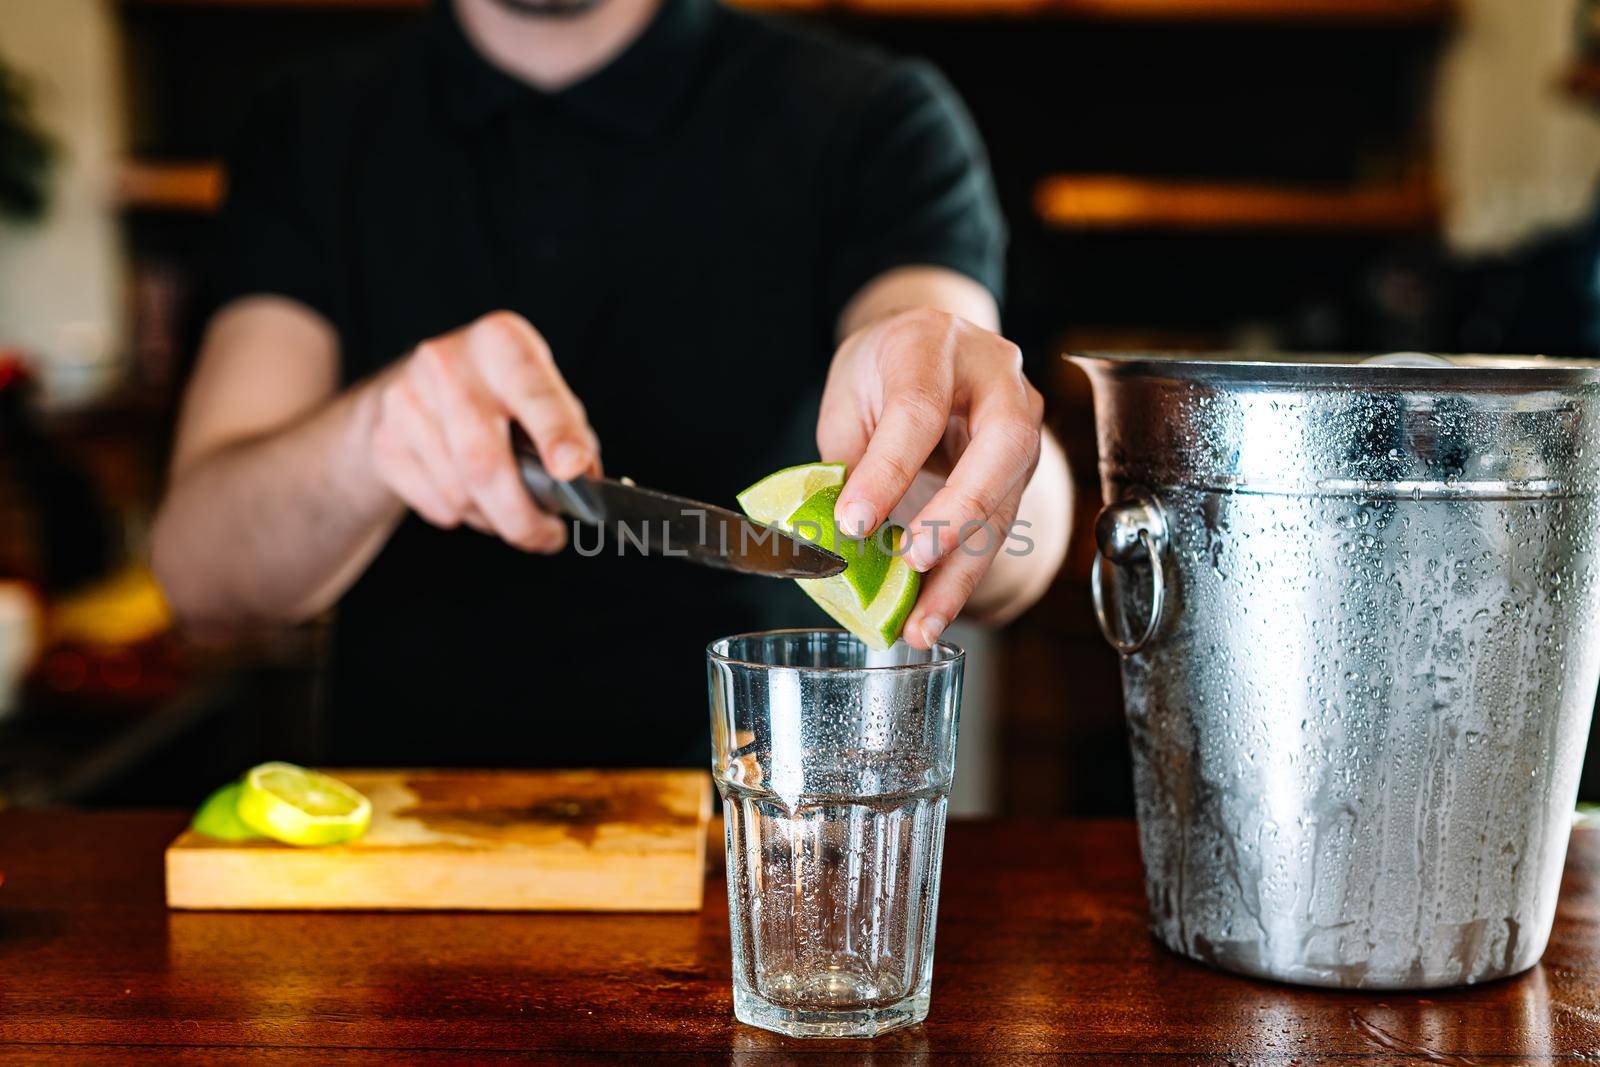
575, 499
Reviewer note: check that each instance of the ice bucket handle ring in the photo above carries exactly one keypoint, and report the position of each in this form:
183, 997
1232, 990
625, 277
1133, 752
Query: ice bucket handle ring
1122, 531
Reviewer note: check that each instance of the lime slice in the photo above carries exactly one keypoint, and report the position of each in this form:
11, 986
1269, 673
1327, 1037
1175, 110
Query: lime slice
775, 497
218, 816
874, 595
880, 621
302, 807
866, 564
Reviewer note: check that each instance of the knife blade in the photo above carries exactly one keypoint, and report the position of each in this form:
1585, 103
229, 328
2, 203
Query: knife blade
637, 519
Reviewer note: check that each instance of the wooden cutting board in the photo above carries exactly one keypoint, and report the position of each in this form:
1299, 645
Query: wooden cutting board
490, 840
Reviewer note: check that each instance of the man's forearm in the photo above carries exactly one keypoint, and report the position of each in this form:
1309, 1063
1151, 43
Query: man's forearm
276, 526
1036, 545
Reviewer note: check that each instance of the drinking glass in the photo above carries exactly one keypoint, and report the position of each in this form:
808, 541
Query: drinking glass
834, 764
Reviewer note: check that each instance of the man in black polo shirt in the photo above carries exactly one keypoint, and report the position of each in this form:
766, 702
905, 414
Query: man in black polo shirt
659, 225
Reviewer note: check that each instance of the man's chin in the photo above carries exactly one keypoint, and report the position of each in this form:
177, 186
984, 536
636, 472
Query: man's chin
549, 8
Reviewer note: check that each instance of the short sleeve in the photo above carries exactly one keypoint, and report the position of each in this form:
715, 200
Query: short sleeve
269, 239
913, 188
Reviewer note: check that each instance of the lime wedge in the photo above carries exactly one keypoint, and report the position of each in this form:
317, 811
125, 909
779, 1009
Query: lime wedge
874, 595
866, 564
775, 497
302, 807
218, 816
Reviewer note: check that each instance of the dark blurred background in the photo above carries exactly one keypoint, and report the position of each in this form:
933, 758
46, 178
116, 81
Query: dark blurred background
1356, 175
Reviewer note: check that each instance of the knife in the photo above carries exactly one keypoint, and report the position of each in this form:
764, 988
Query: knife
660, 524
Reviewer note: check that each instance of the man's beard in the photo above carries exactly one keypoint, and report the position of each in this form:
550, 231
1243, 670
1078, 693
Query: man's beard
549, 8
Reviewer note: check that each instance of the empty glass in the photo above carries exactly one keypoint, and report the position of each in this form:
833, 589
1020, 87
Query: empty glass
834, 764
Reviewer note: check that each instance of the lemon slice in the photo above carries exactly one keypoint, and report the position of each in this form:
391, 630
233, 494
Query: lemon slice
874, 595
218, 816
302, 807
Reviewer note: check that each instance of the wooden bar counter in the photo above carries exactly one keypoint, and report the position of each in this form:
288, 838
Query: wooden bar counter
1042, 957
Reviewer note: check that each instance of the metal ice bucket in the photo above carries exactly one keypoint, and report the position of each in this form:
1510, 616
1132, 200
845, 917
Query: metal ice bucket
1357, 609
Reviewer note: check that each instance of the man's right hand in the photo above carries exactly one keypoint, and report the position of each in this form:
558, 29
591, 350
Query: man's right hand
441, 441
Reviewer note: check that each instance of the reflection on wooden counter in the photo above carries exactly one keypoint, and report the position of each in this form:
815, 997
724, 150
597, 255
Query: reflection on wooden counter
1042, 951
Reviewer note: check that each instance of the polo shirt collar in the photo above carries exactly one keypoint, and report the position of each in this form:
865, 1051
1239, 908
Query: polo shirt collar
637, 94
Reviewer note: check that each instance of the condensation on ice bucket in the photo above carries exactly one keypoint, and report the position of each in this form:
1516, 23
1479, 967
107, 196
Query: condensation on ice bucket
1359, 712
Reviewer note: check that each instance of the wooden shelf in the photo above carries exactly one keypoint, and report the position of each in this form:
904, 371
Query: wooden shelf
192, 187
1283, 11
1107, 202
1266, 10
1097, 202
1293, 11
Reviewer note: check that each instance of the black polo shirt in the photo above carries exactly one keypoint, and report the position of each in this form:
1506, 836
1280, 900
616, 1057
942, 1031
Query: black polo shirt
684, 227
